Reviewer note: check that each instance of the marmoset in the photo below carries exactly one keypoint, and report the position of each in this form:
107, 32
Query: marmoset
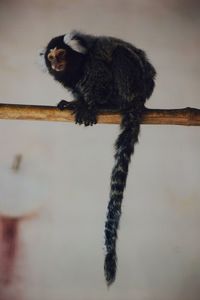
104, 73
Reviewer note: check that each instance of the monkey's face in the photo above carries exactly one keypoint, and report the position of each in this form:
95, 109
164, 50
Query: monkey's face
61, 55
57, 59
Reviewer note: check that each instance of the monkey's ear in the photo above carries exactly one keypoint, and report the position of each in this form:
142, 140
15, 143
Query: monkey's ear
41, 60
74, 43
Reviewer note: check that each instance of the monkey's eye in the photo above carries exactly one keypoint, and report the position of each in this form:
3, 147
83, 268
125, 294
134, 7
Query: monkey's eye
61, 53
50, 57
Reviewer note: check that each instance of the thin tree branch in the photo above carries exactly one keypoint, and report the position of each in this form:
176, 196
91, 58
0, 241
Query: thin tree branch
184, 116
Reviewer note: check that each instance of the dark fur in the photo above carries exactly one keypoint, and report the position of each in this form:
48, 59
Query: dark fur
112, 74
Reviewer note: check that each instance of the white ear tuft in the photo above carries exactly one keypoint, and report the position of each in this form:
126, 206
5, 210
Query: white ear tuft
74, 44
67, 38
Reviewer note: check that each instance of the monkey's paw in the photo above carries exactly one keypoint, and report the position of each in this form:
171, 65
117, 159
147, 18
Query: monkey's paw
63, 104
86, 117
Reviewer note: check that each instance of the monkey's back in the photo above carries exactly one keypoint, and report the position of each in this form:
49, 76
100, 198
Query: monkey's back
105, 49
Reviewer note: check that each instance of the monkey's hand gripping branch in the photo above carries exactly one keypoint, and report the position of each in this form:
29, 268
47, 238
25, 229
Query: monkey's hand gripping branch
184, 116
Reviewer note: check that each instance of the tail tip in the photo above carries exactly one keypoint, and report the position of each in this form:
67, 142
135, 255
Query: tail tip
110, 267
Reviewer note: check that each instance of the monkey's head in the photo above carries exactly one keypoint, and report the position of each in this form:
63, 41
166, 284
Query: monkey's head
62, 53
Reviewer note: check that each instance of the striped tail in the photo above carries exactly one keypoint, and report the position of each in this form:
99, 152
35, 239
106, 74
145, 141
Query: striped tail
124, 146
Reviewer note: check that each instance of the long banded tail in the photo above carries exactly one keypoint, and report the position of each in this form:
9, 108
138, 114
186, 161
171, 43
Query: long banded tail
124, 147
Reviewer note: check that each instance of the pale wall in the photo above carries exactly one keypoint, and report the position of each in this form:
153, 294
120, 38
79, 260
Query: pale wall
65, 170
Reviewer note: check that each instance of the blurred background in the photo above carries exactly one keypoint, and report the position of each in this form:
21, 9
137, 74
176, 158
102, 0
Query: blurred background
54, 177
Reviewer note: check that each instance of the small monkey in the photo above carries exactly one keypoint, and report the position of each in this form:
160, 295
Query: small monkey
104, 73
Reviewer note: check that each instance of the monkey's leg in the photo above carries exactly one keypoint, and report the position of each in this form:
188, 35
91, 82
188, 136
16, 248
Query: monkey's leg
108, 107
85, 115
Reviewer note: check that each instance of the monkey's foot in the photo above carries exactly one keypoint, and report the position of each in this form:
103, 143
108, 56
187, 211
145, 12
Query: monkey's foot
85, 116
63, 104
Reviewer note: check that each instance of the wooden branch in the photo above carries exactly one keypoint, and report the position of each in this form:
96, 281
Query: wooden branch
185, 116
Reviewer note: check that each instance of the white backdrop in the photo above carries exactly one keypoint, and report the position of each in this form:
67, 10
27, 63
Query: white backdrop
60, 192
